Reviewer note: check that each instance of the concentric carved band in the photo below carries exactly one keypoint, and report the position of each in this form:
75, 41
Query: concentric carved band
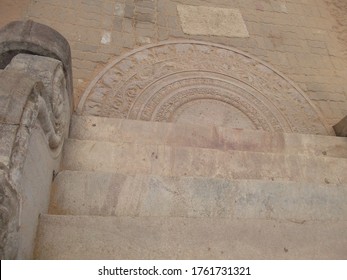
155, 82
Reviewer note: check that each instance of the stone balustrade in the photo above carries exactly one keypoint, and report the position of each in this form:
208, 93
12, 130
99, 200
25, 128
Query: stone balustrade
35, 110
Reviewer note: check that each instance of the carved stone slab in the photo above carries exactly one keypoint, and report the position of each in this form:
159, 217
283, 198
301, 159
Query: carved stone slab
197, 82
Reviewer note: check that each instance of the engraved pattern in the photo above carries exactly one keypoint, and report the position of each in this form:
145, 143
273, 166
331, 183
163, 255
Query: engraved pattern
151, 83
52, 95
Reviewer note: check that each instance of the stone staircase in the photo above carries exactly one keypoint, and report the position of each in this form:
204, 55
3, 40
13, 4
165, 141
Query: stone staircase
148, 190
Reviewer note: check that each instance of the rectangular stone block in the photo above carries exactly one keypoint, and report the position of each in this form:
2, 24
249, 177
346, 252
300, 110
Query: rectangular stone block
83, 237
146, 3
132, 158
200, 20
115, 194
190, 135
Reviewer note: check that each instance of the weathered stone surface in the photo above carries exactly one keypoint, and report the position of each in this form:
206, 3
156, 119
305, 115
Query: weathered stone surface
50, 73
296, 42
7, 137
13, 10
134, 158
200, 83
341, 127
18, 113
34, 87
9, 211
35, 38
195, 135
30, 150
35, 107
146, 3
302, 43
34, 187
145, 17
15, 90
112, 194
129, 11
83, 237
338, 8
201, 20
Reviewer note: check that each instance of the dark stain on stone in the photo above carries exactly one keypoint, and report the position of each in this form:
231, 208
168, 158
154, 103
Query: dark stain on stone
55, 173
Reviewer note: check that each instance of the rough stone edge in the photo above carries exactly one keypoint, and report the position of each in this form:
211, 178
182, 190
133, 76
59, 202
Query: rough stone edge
86, 93
35, 38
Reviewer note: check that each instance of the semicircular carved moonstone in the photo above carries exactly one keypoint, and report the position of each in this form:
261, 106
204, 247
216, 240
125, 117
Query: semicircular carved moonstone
198, 82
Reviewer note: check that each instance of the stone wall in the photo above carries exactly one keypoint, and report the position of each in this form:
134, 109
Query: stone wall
338, 9
302, 38
11, 10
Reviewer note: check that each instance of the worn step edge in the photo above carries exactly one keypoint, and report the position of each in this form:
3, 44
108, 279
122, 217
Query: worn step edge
222, 138
114, 194
88, 237
133, 158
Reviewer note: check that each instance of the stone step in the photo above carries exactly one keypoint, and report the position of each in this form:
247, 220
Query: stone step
176, 161
113, 194
222, 138
90, 237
